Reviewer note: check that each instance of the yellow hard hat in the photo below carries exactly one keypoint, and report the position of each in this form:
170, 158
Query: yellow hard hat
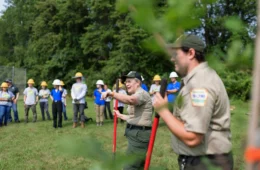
78, 74
121, 85
156, 78
62, 83
44, 83
30, 81
4, 84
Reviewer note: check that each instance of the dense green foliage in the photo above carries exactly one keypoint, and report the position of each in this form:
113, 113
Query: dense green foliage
56, 38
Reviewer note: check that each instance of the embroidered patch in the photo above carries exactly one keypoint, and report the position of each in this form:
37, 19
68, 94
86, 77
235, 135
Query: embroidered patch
199, 97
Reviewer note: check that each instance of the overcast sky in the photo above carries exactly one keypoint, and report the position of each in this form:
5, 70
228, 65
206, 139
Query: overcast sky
2, 2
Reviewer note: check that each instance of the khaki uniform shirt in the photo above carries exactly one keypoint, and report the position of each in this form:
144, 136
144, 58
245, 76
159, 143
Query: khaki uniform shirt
141, 113
203, 106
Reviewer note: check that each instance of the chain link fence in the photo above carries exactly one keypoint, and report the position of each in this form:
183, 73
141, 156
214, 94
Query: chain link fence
17, 75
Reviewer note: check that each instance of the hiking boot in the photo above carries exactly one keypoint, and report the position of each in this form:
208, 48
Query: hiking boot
101, 124
82, 124
97, 124
74, 125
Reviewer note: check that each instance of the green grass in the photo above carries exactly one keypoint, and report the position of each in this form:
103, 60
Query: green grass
35, 145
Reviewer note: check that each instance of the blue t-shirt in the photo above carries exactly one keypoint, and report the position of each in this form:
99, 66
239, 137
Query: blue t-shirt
98, 100
144, 87
172, 86
56, 94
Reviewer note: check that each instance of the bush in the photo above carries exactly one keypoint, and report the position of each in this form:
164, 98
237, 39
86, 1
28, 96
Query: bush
237, 83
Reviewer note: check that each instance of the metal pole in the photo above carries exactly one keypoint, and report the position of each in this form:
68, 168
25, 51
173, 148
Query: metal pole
255, 109
13, 74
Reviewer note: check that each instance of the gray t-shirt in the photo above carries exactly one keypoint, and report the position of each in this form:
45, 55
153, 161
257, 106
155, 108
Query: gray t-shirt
64, 94
31, 94
44, 93
6, 95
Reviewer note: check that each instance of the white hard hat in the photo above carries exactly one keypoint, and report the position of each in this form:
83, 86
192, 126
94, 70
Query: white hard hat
56, 82
100, 82
173, 75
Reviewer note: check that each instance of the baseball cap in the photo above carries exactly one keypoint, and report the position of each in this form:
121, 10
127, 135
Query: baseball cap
8, 81
190, 41
132, 74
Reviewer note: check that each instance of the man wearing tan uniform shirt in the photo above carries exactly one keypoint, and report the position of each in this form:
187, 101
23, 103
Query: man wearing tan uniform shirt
200, 124
139, 118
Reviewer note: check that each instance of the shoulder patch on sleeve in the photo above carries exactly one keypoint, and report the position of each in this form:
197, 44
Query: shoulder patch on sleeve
199, 97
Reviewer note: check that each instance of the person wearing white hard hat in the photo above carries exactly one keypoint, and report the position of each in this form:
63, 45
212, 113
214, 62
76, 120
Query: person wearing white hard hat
56, 97
173, 87
44, 95
30, 100
78, 93
99, 102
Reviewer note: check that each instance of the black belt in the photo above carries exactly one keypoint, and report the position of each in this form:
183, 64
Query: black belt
138, 127
212, 156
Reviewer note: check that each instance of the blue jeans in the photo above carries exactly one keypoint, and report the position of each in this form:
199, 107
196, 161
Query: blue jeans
4, 110
64, 111
16, 117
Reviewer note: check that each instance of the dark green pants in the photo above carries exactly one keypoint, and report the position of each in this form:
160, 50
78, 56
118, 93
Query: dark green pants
138, 141
221, 162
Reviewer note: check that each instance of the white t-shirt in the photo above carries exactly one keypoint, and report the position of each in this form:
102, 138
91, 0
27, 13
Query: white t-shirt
108, 99
120, 104
154, 88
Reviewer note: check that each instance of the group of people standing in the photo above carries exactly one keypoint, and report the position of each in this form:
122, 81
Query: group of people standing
9, 95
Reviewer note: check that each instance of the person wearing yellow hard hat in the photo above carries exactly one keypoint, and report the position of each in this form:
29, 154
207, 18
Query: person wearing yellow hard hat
64, 101
78, 94
156, 86
44, 95
15, 90
30, 100
6, 98
121, 104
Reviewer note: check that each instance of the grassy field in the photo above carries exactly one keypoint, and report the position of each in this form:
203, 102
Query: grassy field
35, 146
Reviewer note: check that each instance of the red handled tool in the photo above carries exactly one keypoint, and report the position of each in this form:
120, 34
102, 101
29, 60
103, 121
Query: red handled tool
154, 128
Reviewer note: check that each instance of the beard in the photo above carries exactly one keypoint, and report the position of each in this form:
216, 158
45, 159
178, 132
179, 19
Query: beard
181, 70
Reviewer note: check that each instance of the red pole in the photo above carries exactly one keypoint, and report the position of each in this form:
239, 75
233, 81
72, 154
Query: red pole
154, 129
115, 122
151, 143
115, 129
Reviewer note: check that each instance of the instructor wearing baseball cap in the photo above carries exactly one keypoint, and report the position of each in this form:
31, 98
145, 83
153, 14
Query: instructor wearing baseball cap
139, 118
200, 123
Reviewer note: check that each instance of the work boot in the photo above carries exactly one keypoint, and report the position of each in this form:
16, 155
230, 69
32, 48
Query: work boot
82, 124
74, 125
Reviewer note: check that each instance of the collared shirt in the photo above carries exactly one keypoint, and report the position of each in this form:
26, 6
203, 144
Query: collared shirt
204, 109
173, 86
141, 113
8, 96
98, 99
44, 93
78, 91
31, 93
56, 94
